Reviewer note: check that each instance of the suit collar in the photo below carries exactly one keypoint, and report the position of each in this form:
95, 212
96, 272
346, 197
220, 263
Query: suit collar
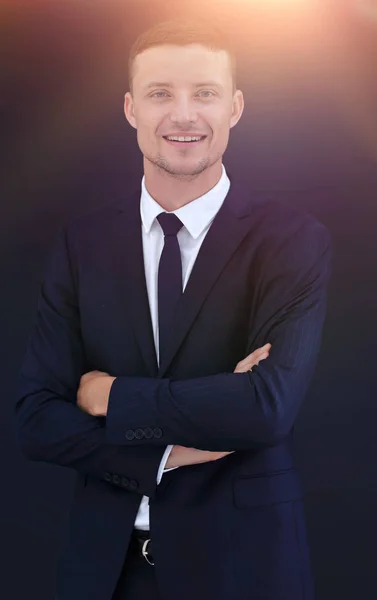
239, 199
195, 215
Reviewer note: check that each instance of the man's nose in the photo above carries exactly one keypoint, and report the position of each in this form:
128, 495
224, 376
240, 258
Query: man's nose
183, 110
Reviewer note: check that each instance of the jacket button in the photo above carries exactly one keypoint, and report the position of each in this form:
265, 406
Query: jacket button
124, 482
107, 476
116, 479
148, 433
133, 484
139, 434
130, 434
157, 432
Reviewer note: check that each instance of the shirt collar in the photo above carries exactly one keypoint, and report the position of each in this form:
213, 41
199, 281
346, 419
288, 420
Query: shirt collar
195, 215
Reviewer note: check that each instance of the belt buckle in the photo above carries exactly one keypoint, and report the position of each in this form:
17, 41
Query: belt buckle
145, 551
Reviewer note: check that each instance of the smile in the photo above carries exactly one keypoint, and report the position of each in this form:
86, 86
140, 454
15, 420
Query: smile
185, 141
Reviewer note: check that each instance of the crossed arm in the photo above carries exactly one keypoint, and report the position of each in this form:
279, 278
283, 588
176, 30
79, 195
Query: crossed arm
93, 398
228, 411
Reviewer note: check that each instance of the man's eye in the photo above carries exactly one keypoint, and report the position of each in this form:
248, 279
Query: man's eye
206, 92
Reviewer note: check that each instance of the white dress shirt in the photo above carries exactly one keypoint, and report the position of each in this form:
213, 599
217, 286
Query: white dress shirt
197, 217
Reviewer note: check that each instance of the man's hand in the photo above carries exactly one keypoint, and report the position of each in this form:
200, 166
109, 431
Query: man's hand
180, 456
93, 393
253, 359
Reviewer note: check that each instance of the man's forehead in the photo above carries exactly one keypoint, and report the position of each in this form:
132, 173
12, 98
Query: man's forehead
157, 64
168, 55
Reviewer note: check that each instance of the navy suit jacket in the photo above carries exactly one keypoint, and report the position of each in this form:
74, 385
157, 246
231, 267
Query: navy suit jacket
231, 528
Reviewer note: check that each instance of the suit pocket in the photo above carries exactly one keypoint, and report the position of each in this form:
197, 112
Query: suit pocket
267, 489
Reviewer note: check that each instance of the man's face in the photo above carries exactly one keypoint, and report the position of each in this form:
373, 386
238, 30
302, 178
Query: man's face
183, 90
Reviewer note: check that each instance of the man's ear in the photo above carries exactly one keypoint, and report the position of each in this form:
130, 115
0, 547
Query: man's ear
237, 108
129, 109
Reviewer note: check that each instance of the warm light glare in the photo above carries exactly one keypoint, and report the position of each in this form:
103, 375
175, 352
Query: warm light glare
267, 3
367, 8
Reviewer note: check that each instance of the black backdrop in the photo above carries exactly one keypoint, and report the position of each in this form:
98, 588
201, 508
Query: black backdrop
308, 136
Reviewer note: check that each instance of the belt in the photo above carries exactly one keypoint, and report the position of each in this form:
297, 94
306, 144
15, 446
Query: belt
143, 540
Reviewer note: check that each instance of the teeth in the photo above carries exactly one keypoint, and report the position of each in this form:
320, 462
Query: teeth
183, 139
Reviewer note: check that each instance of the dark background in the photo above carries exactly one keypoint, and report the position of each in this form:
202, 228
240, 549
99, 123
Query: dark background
308, 136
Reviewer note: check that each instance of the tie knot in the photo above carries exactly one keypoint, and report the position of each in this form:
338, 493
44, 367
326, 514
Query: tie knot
170, 223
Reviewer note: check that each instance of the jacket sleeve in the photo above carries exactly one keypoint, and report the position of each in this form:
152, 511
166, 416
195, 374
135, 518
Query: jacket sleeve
50, 427
239, 411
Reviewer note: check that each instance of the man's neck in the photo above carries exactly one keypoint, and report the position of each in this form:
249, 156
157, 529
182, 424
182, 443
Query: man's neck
172, 193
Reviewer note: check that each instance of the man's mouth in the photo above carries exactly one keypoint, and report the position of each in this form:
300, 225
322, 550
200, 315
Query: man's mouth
184, 140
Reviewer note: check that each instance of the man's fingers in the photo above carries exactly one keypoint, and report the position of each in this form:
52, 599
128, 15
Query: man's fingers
258, 352
247, 365
265, 347
253, 359
256, 355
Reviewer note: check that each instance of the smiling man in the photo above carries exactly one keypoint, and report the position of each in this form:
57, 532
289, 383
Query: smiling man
183, 117
136, 377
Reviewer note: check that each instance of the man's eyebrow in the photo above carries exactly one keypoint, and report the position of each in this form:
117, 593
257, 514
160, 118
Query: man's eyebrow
169, 85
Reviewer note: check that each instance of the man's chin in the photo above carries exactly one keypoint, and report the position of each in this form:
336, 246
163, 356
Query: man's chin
180, 170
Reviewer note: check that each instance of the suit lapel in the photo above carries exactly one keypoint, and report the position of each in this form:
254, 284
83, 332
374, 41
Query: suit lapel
223, 238
127, 261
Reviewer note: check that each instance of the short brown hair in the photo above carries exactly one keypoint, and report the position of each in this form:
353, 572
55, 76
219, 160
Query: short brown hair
181, 32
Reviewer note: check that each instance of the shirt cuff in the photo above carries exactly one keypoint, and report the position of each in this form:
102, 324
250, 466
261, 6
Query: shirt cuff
163, 462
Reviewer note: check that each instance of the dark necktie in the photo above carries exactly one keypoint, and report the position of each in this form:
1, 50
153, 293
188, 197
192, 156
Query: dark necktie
169, 277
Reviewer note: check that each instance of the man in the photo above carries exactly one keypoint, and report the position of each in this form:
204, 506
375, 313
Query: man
136, 377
